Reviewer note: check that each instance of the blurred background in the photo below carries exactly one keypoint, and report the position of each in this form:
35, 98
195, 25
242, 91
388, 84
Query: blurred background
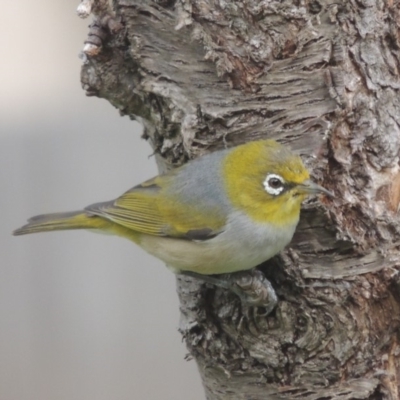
82, 316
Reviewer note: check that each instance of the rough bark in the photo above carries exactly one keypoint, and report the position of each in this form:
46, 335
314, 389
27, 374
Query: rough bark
321, 76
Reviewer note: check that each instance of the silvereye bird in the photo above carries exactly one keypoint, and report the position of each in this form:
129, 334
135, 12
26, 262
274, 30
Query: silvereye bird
227, 211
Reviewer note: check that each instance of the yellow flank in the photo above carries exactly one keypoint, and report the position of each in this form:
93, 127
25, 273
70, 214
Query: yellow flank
245, 169
120, 230
106, 226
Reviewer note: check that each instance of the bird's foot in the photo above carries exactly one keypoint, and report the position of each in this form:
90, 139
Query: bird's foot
252, 287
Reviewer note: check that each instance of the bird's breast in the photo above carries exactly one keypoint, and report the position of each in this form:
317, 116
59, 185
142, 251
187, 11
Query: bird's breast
243, 244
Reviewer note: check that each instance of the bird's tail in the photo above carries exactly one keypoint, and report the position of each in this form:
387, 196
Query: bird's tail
59, 221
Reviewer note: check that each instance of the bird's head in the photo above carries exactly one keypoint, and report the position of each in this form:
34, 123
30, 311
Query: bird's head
268, 182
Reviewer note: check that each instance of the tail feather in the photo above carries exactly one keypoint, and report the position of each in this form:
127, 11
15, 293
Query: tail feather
56, 222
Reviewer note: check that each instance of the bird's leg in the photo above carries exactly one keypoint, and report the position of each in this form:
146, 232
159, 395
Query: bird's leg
252, 287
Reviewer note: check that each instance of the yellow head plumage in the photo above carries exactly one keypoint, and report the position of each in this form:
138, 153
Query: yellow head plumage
266, 181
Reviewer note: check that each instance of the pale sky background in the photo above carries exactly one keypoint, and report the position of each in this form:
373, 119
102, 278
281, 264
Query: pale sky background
82, 316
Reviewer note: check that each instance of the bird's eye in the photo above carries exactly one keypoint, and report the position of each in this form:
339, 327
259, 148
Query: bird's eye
274, 184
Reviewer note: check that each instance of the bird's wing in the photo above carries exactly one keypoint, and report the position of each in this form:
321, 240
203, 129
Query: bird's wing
149, 208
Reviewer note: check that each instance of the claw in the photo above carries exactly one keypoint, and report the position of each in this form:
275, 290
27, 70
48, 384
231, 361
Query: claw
252, 287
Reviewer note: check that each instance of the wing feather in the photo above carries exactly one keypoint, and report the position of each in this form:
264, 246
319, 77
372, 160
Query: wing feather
149, 208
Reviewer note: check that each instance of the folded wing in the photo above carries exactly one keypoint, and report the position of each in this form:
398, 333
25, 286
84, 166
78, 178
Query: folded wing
149, 208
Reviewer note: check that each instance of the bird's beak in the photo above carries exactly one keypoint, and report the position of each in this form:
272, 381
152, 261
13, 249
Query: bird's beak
309, 187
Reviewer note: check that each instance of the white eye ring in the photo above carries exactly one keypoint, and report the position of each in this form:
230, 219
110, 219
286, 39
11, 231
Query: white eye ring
271, 189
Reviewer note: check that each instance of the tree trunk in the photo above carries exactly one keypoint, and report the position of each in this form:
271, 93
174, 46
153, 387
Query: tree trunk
321, 76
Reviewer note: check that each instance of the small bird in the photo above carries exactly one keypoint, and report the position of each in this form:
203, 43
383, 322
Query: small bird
225, 212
